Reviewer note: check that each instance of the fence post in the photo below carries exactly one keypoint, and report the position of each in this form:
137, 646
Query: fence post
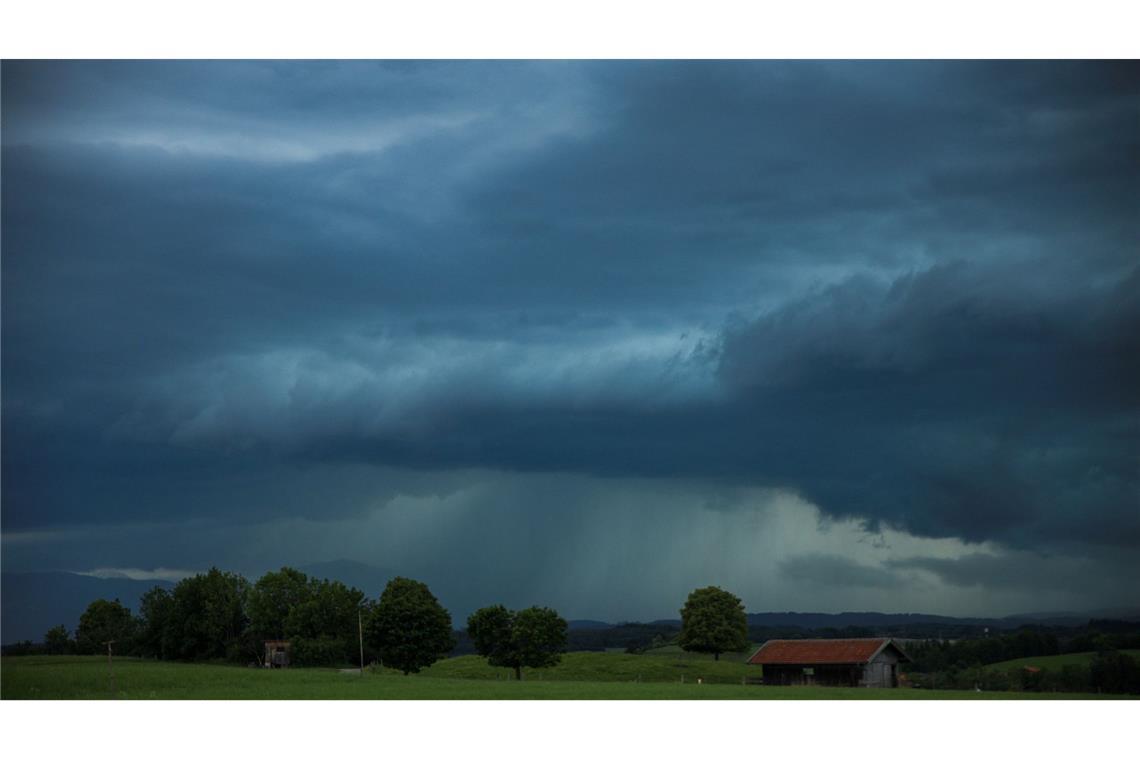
111, 667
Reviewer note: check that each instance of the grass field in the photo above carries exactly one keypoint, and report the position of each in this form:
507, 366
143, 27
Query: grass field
1054, 662
597, 666
88, 678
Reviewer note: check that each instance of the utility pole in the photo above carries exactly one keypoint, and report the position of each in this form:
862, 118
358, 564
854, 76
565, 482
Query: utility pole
360, 631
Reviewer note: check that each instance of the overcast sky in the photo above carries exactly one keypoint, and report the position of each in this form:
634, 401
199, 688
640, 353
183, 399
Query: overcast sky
834, 336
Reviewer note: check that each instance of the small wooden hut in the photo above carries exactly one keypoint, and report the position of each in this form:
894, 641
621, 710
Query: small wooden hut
277, 653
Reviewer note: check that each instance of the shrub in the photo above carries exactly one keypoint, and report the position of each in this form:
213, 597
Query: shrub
1115, 673
323, 652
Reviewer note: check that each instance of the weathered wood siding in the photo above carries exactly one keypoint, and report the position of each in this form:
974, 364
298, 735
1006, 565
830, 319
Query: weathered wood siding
882, 670
812, 675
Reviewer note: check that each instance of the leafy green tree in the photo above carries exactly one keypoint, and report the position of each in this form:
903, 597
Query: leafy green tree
713, 621
489, 629
329, 609
1115, 673
273, 598
57, 641
105, 621
532, 638
322, 651
323, 627
209, 620
156, 613
409, 629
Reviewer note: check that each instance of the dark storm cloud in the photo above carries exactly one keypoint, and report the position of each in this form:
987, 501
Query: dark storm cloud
1027, 571
906, 290
957, 402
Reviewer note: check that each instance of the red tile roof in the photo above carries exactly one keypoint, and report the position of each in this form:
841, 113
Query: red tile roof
817, 651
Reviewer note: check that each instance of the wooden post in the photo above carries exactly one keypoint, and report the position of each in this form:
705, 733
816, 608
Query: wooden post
110, 668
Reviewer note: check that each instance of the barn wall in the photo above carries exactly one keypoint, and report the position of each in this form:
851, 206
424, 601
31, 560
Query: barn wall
822, 675
782, 675
877, 672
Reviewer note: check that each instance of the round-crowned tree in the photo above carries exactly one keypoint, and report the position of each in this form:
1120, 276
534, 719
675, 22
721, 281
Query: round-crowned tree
713, 621
409, 628
271, 600
105, 621
532, 638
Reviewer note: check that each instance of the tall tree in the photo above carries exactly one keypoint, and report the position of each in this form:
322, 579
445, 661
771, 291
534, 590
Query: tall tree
105, 621
56, 640
323, 627
713, 621
209, 619
489, 629
272, 599
156, 612
409, 628
532, 638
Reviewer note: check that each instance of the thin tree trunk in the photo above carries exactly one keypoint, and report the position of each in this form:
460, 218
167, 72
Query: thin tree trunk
518, 672
716, 656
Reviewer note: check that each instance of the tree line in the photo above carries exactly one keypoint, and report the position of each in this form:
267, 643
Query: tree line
1108, 672
221, 616
963, 664
1098, 636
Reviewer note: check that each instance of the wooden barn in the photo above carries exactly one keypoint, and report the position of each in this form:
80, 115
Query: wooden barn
277, 653
830, 662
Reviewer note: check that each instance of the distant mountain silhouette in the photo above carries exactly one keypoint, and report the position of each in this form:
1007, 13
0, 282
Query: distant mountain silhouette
586, 625
31, 603
819, 620
815, 620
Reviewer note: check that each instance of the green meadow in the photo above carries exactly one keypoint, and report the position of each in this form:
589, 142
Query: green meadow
597, 666
582, 675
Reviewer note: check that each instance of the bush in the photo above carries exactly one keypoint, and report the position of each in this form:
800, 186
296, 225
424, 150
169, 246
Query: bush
1075, 678
995, 680
1030, 680
57, 641
325, 652
1115, 673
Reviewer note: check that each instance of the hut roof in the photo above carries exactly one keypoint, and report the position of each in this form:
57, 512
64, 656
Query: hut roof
821, 651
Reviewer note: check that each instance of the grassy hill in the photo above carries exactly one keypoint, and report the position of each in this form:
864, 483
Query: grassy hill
674, 650
1054, 662
601, 666
88, 678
